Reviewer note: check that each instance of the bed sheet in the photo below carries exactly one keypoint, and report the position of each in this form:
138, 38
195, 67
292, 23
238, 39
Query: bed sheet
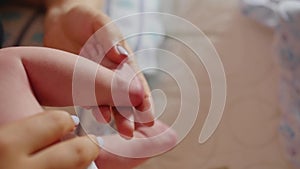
247, 137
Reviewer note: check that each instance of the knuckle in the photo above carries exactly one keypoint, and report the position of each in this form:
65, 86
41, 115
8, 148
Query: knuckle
60, 119
5, 145
82, 155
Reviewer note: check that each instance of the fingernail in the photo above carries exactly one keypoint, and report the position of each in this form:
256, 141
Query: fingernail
75, 120
100, 141
122, 50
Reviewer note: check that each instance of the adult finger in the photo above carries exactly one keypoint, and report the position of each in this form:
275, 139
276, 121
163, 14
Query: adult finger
75, 153
103, 43
110, 58
102, 114
144, 111
41, 130
124, 121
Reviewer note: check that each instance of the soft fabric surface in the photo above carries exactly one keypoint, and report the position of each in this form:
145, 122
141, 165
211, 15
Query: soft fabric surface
248, 136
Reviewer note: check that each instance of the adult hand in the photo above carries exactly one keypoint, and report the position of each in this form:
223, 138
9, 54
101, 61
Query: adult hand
68, 26
29, 143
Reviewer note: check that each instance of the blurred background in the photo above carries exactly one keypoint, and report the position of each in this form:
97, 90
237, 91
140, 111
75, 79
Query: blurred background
247, 137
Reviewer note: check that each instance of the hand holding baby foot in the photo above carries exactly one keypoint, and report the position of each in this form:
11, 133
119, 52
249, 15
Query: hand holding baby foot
107, 47
120, 60
114, 54
32, 76
69, 24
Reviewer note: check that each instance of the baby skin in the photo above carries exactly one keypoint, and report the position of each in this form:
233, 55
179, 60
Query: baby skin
31, 77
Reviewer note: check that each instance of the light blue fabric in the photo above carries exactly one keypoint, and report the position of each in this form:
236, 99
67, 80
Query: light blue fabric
288, 56
262, 11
